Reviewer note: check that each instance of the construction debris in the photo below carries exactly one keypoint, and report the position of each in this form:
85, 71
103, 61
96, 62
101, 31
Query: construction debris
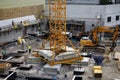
4, 67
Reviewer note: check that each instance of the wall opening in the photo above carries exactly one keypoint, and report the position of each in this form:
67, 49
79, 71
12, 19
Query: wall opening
108, 19
117, 18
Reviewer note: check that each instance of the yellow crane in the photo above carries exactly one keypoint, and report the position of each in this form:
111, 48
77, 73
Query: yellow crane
58, 39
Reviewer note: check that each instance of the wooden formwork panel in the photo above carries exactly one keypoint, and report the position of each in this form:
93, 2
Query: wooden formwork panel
8, 13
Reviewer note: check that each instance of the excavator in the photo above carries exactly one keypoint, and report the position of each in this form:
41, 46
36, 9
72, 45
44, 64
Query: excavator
115, 37
92, 42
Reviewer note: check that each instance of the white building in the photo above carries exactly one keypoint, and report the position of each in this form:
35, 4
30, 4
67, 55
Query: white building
83, 1
94, 15
107, 15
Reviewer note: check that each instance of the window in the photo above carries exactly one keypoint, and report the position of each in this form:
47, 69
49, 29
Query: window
108, 19
117, 17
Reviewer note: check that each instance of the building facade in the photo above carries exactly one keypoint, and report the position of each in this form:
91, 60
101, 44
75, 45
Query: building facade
93, 15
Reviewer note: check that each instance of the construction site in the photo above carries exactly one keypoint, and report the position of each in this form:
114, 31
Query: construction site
60, 40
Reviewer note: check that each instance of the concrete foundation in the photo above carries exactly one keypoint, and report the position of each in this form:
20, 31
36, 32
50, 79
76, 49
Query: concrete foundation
79, 78
79, 71
117, 55
52, 69
33, 60
82, 63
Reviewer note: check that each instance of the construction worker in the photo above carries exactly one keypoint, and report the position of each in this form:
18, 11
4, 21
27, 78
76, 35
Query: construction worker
13, 24
29, 49
65, 76
39, 29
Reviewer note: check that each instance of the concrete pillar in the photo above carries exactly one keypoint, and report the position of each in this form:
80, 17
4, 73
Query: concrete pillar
113, 1
102, 36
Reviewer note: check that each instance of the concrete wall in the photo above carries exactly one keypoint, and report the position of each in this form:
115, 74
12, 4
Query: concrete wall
87, 13
14, 34
19, 3
112, 10
10, 36
93, 14
84, 11
116, 1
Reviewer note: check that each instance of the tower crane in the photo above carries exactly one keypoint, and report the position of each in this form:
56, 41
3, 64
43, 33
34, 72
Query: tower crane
58, 39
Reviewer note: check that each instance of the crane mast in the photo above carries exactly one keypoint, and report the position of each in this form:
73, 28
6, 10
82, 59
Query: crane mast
57, 23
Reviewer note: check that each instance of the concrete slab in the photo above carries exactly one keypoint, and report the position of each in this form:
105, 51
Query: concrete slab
47, 54
84, 54
69, 49
33, 60
52, 69
79, 71
116, 79
21, 59
66, 55
25, 67
85, 62
79, 78
117, 55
